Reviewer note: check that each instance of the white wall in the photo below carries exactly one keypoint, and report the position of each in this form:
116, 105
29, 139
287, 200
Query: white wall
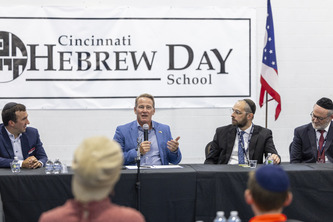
304, 44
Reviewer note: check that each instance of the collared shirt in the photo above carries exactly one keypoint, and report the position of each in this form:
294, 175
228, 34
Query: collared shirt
16, 144
269, 218
234, 154
153, 156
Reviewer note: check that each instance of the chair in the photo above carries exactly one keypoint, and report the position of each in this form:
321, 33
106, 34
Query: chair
207, 148
291, 144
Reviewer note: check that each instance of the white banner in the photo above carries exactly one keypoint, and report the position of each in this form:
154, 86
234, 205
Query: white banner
79, 58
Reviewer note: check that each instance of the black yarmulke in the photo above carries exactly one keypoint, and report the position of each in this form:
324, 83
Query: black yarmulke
9, 105
325, 103
251, 104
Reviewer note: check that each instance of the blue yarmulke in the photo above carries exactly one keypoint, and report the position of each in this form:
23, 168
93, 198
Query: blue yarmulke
272, 178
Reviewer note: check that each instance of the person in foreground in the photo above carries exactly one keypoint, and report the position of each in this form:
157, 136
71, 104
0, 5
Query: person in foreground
96, 164
160, 149
242, 140
268, 193
16, 139
314, 141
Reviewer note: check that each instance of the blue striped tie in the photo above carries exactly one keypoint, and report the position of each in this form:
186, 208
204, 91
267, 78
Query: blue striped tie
240, 149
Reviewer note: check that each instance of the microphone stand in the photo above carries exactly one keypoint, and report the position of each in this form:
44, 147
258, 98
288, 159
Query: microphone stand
138, 179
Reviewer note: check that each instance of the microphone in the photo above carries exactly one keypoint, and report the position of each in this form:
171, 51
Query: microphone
145, 132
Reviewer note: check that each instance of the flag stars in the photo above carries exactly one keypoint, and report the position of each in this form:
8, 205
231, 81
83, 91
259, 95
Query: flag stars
268, 27
269, 39
273, 63
270, 51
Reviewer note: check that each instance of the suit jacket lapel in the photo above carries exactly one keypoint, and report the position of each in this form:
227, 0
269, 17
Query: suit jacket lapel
253, 142
329, 137
24, 146
134, 133
230, 144
159, 136
313, 139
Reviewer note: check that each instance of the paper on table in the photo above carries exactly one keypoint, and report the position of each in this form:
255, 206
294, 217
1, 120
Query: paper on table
154, 167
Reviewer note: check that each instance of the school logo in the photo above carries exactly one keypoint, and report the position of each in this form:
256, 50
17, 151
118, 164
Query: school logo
13, 57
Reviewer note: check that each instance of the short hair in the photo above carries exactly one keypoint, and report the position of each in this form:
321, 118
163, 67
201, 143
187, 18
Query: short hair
265, 199
146, 95
9, 112
96, 165
250, 106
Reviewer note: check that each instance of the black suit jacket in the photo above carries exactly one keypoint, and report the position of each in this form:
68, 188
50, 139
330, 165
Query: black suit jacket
304, 145
222, 145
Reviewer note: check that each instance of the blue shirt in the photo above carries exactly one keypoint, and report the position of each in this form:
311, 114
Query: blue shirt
153, 156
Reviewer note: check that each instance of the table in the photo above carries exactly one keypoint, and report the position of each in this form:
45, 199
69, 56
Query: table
194, 192
165, 193
221, 187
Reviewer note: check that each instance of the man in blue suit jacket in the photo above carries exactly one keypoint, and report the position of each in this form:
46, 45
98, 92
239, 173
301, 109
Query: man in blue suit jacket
160, 149
16, 139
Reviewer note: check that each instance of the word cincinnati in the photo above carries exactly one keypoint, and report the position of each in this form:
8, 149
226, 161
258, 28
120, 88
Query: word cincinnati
66, 40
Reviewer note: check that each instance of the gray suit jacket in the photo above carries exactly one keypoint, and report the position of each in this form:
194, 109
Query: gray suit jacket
304, 145
261, 143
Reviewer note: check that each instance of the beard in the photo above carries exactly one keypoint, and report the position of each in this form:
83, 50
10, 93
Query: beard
240, 123
320, 126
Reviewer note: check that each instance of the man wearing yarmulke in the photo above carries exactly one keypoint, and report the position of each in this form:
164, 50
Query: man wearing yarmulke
242, 140
268, 192
313, 142
97, 163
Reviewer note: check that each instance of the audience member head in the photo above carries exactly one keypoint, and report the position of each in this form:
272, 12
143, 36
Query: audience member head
97, 163
268, 190
9, 112
322, 113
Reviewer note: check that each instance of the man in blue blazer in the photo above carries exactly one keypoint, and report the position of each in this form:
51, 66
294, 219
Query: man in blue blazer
16, 139
160, 149
313, 142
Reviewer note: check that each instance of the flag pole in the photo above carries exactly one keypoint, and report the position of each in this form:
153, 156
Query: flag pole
266, 119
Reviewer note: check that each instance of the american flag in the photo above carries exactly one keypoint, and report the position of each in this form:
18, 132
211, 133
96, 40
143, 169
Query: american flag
269, 71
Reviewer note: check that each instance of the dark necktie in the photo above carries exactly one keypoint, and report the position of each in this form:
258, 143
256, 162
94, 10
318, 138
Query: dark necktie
321, 152
240, 148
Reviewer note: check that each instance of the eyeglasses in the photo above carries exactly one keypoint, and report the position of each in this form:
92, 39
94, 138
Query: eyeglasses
317, 117
237, 112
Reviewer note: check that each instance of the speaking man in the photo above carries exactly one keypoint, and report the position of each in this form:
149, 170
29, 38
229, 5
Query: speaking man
158, 148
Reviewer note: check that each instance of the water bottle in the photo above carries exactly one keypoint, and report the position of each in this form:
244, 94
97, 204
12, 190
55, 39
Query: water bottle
269, 160
57, 167
220, 217
15, 165
234, 217
48, 167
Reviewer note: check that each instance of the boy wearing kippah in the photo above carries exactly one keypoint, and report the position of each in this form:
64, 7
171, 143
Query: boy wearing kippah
267, 193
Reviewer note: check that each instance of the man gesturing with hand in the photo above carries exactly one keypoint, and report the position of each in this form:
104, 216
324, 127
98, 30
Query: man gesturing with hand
159, 149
